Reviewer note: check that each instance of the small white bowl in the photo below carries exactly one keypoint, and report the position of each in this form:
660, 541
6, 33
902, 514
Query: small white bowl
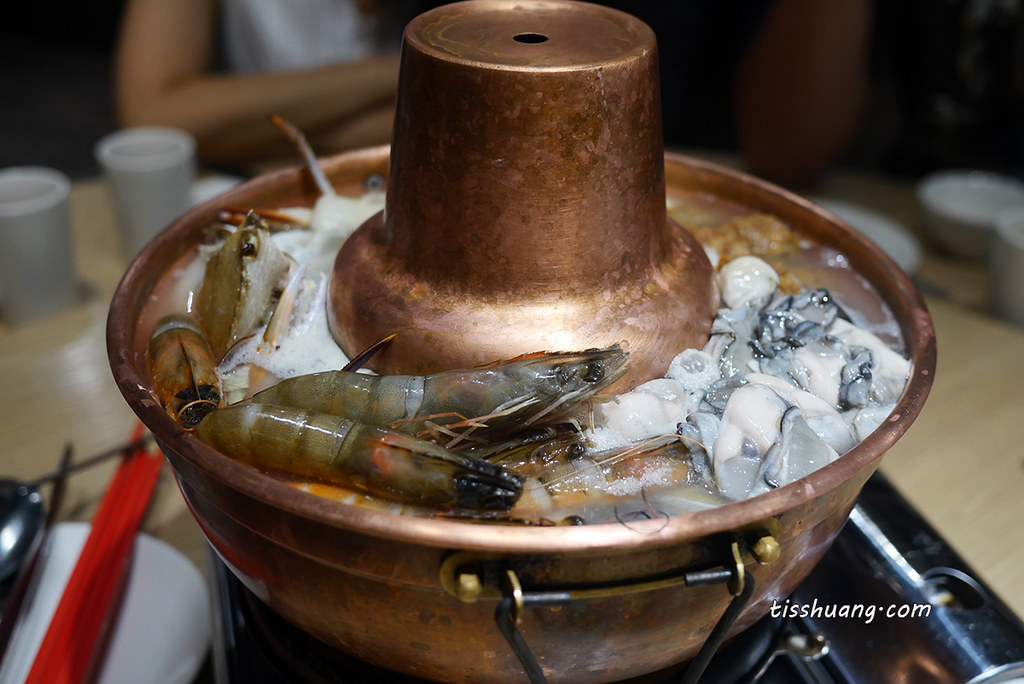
961, 207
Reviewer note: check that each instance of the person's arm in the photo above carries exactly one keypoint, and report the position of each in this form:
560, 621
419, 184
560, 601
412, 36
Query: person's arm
802, 88
162, 78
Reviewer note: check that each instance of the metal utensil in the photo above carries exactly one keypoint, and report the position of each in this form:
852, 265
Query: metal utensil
35, 545
21, 517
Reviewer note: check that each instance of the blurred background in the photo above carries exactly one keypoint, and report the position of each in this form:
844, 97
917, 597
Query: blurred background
55, 66
946, 91
947, 81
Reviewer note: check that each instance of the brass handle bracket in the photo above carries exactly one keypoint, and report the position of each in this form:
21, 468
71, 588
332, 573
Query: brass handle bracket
476, 576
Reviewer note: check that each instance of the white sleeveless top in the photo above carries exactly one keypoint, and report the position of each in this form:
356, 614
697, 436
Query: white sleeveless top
276, 35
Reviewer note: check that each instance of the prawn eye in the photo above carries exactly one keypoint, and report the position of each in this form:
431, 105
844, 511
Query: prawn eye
248, 248
593, 371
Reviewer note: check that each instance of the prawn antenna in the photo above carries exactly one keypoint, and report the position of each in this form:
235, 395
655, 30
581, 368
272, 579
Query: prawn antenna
293, 133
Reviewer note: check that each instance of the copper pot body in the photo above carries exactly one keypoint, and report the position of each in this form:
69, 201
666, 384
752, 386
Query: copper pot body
368, 582
526, 205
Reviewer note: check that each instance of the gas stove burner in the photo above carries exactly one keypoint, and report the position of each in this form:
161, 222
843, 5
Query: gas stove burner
886, 557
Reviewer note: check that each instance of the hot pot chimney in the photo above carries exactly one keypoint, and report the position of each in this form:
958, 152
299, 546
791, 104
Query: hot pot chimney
525, 209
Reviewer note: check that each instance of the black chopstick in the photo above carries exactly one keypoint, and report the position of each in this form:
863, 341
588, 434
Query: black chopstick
92, 460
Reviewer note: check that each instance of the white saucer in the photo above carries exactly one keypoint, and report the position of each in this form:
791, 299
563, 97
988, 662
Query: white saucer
209, 187
893, 238
163, 629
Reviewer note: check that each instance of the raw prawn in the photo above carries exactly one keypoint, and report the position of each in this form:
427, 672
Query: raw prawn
563, 476
184, 370
362, 457
494, 399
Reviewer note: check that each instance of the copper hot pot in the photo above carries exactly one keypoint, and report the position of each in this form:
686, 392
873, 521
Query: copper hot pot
594, 603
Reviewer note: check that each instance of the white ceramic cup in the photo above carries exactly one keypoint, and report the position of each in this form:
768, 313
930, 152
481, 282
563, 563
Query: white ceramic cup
1006, 266
150, 170
36, 265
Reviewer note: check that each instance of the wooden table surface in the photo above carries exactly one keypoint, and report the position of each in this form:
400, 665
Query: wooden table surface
961, 464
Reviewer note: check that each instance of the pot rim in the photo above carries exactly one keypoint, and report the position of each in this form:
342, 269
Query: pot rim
893, 286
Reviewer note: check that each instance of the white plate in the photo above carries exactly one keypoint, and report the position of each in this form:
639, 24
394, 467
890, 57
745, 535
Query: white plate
894, 238
163, 628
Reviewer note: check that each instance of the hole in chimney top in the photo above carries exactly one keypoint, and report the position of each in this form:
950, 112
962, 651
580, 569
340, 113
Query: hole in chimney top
530, 38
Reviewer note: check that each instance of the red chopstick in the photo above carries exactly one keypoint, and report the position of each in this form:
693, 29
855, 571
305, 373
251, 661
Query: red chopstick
72, 645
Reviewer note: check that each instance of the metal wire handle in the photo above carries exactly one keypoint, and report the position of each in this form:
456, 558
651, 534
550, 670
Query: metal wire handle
509, 610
